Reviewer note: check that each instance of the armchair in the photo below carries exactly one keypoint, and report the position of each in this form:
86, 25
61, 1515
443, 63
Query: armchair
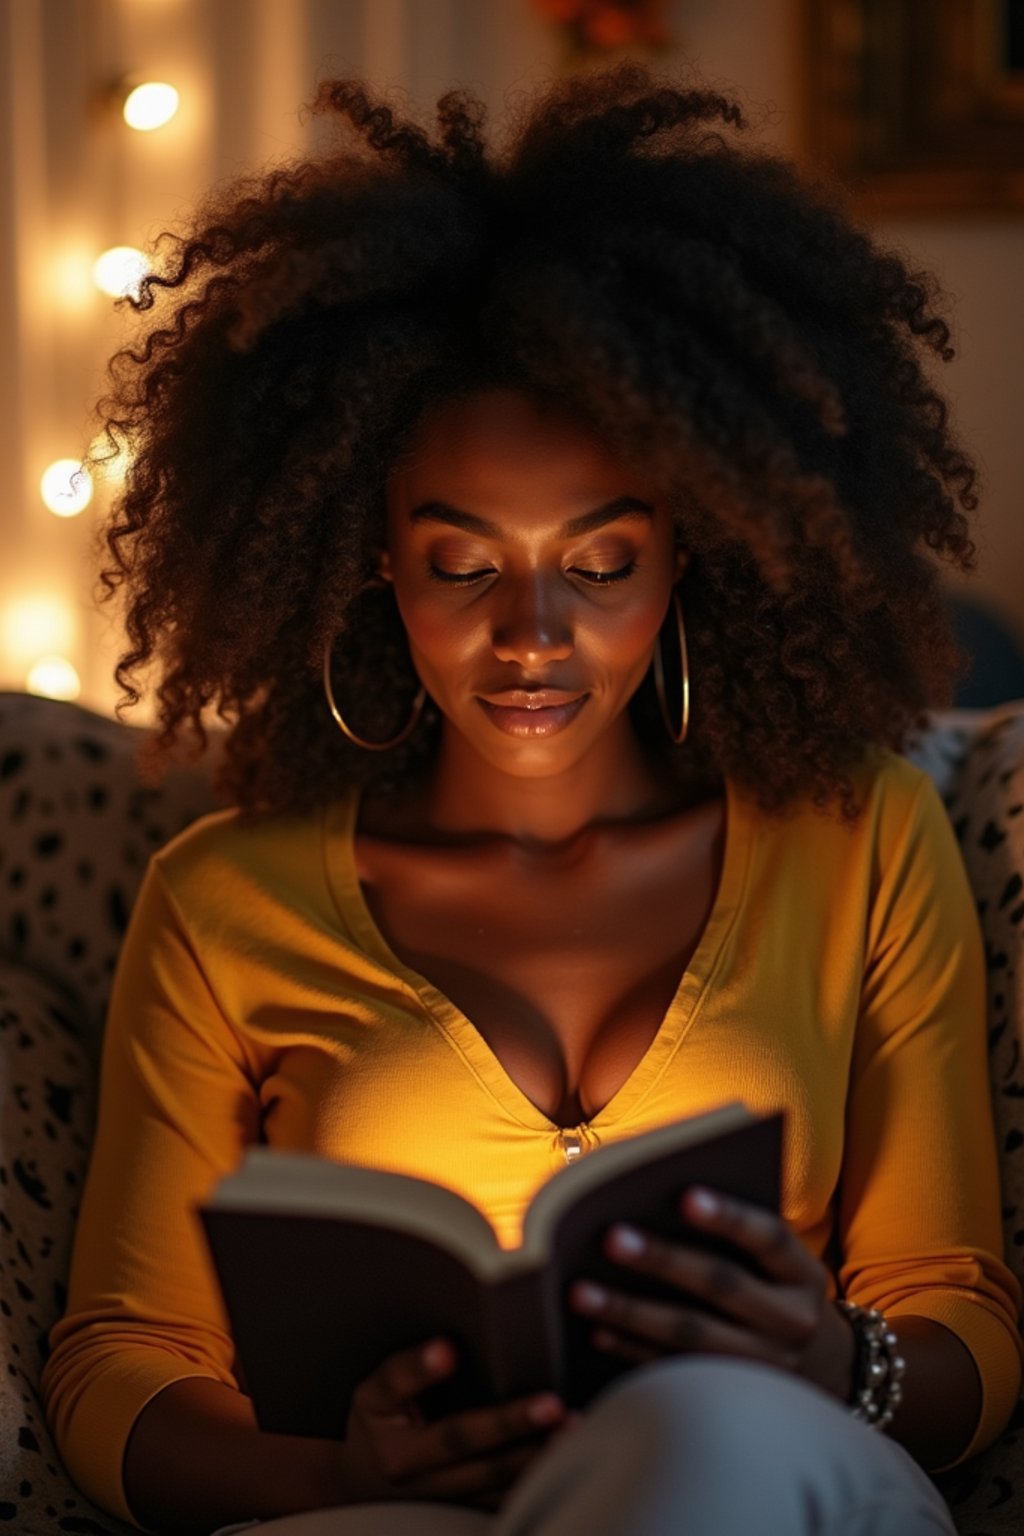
77, 826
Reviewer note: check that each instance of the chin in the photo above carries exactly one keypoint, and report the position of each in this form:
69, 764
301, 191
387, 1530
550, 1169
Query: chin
528, 761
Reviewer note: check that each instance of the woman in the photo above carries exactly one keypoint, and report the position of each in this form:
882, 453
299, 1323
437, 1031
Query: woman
555, 529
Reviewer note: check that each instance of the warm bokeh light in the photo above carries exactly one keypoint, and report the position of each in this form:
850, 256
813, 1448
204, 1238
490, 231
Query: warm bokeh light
31, 627
54, 677
150, 105
66, 488
107, 465
70, 278
119, 271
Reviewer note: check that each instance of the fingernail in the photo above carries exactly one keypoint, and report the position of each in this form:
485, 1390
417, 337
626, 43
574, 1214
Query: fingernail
437, 1355
626, 1241
704, 1202
544, 1410
589, 1296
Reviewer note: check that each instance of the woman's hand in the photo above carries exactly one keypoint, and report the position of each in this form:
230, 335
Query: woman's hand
777, 1311
391, 1451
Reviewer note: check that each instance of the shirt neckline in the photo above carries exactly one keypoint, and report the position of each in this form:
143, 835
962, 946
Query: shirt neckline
339, 826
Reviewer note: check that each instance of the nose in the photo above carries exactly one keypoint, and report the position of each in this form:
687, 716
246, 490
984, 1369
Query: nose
533, 625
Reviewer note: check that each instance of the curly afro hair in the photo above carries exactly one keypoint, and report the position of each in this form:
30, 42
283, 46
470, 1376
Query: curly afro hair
711, 312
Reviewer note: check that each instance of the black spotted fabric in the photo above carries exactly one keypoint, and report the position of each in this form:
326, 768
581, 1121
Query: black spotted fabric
47, 1112
76, 831
985, 800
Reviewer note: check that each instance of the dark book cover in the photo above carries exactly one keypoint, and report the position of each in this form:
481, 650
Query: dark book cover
327, 1268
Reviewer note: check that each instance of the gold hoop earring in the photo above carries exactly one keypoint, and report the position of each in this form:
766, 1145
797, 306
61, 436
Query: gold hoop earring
369, 746
659, 677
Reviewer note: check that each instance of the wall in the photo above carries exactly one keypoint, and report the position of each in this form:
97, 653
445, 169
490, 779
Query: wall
74, 180
981, 267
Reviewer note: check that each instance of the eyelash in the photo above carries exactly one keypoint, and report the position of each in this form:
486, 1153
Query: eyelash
595, 578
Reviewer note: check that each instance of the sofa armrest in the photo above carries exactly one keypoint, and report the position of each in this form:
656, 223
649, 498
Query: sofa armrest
47, 1113
985, 801
79, 825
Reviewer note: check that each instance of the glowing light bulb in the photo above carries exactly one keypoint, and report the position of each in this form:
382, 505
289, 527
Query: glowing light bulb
150, 105
119, 271
66, 488
37, 626
54, 677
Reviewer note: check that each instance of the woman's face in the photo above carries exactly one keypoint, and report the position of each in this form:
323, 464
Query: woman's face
532, 570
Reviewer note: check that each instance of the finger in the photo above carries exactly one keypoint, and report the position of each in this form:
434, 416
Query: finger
676, 1329
790, 1313
473, 1433
395, 1385
494, 1500
625, 1348
482, 1475
480, 1430
767, 1237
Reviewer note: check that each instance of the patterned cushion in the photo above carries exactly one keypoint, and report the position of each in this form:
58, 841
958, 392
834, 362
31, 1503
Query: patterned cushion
986, 807
76, 830
47, 1110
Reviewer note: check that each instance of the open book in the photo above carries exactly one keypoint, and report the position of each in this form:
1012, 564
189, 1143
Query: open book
326, 1267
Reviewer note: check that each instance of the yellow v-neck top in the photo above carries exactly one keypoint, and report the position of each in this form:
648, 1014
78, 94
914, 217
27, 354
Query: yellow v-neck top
476, 1163
840, 977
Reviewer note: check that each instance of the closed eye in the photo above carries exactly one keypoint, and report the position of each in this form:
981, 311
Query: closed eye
595, 578
603, 578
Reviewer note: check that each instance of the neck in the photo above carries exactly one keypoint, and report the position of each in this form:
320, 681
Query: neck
617, 780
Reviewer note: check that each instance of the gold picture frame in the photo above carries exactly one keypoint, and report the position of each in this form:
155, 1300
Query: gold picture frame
917, 105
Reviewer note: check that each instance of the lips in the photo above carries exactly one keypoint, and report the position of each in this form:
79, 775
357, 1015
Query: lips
530, 698
539, 712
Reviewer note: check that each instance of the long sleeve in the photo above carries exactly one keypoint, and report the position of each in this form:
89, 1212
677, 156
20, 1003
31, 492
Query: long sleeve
177, 1104
919, 1211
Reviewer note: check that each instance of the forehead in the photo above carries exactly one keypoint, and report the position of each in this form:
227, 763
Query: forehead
497, 442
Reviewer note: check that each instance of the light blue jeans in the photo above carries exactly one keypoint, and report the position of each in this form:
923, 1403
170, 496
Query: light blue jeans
694, 1445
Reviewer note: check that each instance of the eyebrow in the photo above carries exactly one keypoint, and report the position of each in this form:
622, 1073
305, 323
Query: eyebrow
611, 512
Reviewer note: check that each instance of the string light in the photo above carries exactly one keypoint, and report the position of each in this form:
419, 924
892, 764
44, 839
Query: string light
66, 488
150, 105
119, 271
37, 626
54, 677
39, 634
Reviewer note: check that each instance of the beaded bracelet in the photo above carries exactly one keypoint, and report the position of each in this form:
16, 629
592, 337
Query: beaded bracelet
878, 1369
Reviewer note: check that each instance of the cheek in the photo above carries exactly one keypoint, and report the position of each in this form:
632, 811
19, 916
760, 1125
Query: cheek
437, 635
626, 638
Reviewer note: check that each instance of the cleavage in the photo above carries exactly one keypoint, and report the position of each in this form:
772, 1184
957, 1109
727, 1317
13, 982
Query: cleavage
566, 975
